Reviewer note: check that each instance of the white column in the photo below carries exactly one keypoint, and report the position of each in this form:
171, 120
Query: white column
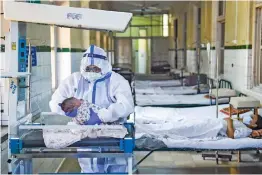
130, 165
53, 39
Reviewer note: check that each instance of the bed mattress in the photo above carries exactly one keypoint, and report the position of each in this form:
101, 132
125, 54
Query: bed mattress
164, 114
159, 83
181, 90
167, 99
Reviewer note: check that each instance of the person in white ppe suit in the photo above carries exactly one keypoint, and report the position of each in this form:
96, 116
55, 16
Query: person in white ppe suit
97, 83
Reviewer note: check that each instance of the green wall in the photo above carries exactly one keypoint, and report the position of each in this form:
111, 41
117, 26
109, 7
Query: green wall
142, 22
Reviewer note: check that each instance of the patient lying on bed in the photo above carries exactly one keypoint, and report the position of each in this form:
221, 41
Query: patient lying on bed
195, 128
83, 109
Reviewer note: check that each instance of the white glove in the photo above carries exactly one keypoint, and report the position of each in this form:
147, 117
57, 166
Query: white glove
105, 115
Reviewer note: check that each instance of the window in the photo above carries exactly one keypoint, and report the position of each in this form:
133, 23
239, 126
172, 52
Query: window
258, 49
221, 8
221, 34
165, 25
199, 16
176, 28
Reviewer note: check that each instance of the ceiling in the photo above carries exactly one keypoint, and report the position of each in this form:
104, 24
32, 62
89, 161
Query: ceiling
137, 6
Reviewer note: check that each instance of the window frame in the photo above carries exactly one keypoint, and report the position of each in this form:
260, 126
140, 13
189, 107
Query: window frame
257, 43
219, 46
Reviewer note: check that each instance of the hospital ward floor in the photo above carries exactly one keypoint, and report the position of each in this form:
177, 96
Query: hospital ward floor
187, 163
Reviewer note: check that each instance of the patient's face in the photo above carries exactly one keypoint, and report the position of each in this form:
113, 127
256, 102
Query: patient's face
253, 122
68, 107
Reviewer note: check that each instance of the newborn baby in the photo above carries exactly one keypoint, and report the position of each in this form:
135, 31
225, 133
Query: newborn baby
80, 110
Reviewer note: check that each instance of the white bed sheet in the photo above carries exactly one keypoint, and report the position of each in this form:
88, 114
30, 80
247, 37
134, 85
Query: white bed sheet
180, 90
167, 99
167, 90
162, 83
156, 114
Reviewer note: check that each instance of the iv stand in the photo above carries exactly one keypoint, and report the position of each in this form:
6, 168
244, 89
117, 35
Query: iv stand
217, 81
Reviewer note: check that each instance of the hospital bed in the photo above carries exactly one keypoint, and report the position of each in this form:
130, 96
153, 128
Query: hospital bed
30, 144
160, 67
151, 143
171, 100
125, 70
166, 85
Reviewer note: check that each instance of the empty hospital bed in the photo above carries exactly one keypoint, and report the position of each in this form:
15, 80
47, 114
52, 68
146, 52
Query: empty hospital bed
164, 84
175, 100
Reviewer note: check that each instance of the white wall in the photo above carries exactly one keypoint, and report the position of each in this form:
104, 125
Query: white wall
191, 61
63, 66
212, 65
204, 62
238, 75
67, 63
171, 58
180, 61
41, 83
76, 61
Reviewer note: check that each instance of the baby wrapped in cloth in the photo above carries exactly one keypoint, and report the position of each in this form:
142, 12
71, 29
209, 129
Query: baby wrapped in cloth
61, 138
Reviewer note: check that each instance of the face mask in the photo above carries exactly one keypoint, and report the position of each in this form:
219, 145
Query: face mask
91, 76
247, 120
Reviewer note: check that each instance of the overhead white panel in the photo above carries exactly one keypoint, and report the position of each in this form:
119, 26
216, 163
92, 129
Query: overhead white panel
67, 16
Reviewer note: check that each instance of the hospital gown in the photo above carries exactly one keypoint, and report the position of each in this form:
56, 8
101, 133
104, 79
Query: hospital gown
240, 130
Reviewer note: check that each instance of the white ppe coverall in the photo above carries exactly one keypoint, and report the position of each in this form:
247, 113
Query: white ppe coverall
111, 92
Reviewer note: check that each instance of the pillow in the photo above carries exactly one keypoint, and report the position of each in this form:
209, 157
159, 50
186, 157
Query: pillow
234, 111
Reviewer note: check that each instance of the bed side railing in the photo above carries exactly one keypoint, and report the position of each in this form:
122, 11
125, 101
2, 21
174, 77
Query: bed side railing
224, 84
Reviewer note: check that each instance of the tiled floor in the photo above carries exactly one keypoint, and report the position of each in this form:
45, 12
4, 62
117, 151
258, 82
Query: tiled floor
187, 163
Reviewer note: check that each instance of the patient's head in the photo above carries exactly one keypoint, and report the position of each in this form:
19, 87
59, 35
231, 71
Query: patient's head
70, 104
253, 122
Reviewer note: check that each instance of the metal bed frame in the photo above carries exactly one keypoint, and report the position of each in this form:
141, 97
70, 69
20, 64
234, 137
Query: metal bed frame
216, 155
24, 150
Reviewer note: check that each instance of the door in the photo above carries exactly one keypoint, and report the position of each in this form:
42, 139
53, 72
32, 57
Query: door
123, 51
142, 52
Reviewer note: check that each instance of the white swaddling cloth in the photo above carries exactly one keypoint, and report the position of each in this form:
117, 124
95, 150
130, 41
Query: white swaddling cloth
61, 138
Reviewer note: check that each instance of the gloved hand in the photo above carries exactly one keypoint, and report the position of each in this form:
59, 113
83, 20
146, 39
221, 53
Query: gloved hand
72, 113
105, 115
94, 119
